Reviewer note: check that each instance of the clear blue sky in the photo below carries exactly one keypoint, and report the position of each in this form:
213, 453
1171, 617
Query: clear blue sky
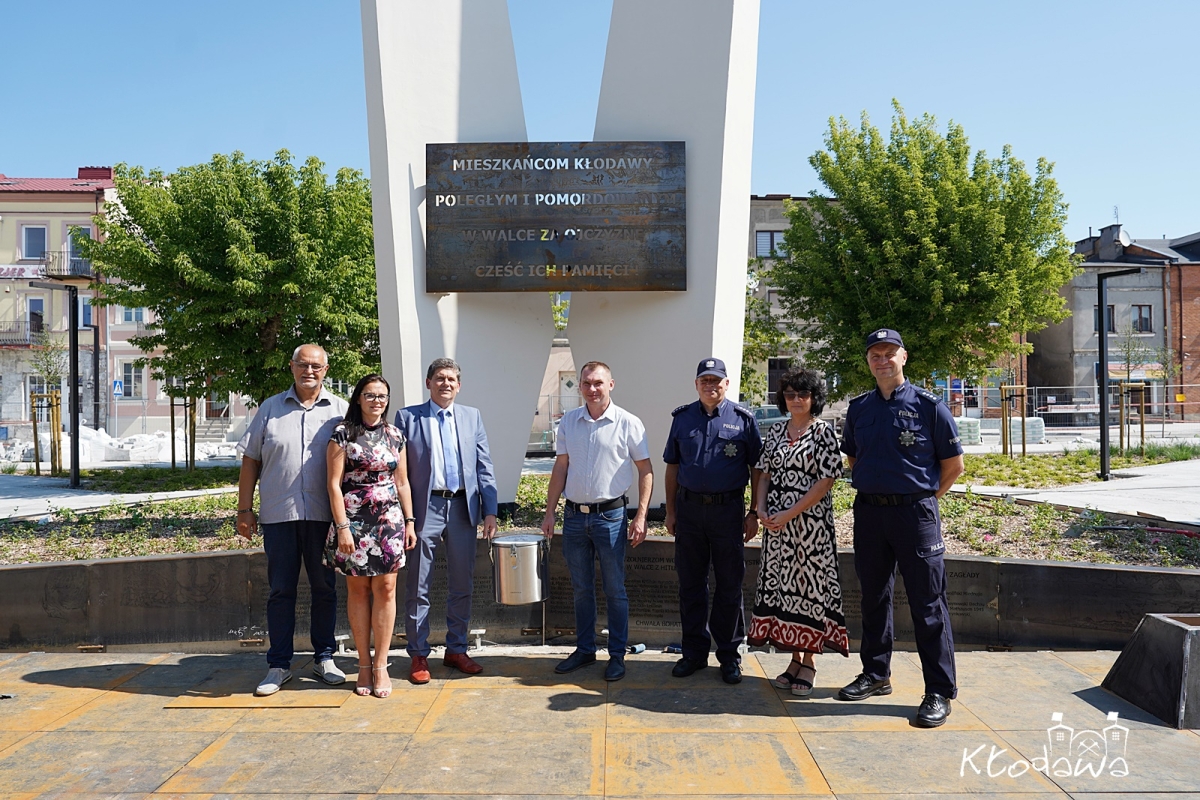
1106, 90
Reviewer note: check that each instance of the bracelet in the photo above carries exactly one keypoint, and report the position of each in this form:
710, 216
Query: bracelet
410, 519
245, 510
342, 527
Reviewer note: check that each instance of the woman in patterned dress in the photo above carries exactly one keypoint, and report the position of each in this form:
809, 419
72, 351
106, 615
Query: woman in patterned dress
372, 509
798, 605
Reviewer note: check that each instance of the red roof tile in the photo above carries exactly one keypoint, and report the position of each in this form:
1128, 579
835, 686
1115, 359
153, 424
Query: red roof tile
90, 179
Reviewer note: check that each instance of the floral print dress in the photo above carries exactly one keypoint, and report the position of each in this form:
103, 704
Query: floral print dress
372, 503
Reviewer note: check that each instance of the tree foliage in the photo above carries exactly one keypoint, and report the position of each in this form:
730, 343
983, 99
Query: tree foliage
959, 253
48, 357
763, 337
241, 261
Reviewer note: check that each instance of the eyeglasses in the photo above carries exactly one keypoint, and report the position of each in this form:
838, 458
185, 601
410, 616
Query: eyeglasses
371, 397
802, 394
303, 367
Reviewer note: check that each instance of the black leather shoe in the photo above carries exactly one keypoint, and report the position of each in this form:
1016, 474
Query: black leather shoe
731, 672
615, 669
863, 687
933, 711
575, 661
685, 666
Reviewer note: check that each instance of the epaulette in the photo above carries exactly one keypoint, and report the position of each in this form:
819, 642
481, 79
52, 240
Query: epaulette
858, 397
745, 412
928, 395
683, 407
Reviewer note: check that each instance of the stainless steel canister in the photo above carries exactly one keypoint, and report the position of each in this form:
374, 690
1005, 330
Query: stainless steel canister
519, 569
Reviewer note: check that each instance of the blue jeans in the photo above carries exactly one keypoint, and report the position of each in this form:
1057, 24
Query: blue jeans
287, 545
584, 537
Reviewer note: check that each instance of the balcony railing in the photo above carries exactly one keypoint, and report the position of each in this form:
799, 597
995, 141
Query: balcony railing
64, 264
19, 333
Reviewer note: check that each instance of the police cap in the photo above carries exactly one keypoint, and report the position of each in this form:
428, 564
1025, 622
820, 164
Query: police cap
711, 366
882, 336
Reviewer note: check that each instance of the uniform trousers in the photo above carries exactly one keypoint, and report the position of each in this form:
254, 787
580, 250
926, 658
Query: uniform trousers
910, 537
289, 544
447, 522
710, 535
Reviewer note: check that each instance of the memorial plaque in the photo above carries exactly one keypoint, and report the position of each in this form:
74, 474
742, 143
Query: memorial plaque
559, 217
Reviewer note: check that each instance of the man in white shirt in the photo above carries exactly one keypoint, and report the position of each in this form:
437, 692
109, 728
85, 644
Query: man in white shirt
600, 448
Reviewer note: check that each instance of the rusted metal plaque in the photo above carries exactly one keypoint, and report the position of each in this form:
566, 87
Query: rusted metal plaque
555, 216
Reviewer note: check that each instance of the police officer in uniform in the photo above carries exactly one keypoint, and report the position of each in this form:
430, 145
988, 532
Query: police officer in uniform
904, 451
710, 455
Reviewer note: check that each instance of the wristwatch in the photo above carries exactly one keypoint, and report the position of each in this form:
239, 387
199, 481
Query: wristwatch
752, 513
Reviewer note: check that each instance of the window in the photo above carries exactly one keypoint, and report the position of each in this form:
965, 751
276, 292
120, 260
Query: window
78, 262
38, 384
1111, 327
1143, 319
136, 314
37, 314
85, 312
768, 244
33, 242
132, 378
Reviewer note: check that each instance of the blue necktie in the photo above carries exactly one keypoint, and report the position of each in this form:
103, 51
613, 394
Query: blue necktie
449, 451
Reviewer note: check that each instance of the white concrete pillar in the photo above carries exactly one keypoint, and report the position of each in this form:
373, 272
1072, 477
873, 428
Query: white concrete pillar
679, 70
446, 71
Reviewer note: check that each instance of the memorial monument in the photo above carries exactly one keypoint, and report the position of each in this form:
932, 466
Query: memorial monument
677, 89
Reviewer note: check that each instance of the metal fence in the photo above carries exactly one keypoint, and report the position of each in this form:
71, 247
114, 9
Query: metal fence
550, 409
1078, 407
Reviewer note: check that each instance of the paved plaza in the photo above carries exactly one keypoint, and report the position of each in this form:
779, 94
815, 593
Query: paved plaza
134, 725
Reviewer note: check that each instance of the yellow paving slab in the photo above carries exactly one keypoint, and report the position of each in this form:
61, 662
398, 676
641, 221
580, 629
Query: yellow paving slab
1157, 760
121, 711
498, 764
400, 713
710, 764
91, 670
958, 796
517, 711
9, 738
516, 671
35, 708
180, 671
235, 689
753, 705
1093, 663
87, 761
884, 762
291, 763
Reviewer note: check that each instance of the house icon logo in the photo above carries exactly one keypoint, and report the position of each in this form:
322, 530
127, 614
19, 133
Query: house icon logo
1067, 753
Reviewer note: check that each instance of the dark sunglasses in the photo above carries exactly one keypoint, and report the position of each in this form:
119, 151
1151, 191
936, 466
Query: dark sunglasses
802, 394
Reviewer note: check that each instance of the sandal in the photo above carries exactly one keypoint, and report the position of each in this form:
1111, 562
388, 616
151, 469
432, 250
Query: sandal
787, 679
362, 688
803, 686
380, 690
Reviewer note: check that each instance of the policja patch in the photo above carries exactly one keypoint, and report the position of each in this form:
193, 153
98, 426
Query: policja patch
907, 438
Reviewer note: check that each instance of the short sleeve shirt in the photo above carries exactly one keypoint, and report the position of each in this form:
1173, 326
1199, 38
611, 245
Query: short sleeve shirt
290, 442
600, 452
898, 443
714, 451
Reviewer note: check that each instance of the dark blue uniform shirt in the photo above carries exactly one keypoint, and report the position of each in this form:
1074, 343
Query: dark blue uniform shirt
897, 444
714, 453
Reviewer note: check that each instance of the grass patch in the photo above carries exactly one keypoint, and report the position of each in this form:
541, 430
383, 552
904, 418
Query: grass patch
135, 480
1040, 470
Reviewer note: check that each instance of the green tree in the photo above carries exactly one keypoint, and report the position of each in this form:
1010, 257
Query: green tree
48, 357
763, 335
241, 261
959, 253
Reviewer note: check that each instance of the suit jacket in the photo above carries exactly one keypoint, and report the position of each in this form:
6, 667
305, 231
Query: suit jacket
479, 480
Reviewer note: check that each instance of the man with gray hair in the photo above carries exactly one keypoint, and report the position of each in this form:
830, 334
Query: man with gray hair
453, 491
283, 451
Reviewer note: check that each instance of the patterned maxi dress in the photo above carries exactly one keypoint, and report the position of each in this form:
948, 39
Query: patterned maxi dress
798, 604
372, 503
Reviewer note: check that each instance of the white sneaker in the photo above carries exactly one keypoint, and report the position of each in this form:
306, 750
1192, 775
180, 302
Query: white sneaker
327, 671
275, 679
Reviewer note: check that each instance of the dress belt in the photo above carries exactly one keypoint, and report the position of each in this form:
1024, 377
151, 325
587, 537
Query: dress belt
598, 507
714, 499
447, 493
894, 499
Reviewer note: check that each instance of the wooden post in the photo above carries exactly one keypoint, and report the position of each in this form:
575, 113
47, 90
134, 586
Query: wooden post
37, 450
172, 431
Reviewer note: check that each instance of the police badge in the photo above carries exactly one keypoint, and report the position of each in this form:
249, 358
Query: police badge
907, 438
731, 449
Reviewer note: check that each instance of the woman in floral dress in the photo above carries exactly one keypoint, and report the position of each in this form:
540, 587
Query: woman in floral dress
798, 605
372, 510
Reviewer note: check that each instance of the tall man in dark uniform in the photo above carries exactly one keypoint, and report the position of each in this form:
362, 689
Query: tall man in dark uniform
904, 451
711, 453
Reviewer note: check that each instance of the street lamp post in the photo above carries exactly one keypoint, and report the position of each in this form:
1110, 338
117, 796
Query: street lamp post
73, 378
1102, 310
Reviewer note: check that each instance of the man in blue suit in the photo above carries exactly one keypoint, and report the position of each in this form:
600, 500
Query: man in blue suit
453, 490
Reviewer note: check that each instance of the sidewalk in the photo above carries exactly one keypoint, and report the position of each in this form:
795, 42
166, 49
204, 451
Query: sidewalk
186, 726
30, 496
1168, 493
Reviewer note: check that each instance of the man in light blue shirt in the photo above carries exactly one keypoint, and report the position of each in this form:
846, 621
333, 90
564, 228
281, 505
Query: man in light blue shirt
283, 451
